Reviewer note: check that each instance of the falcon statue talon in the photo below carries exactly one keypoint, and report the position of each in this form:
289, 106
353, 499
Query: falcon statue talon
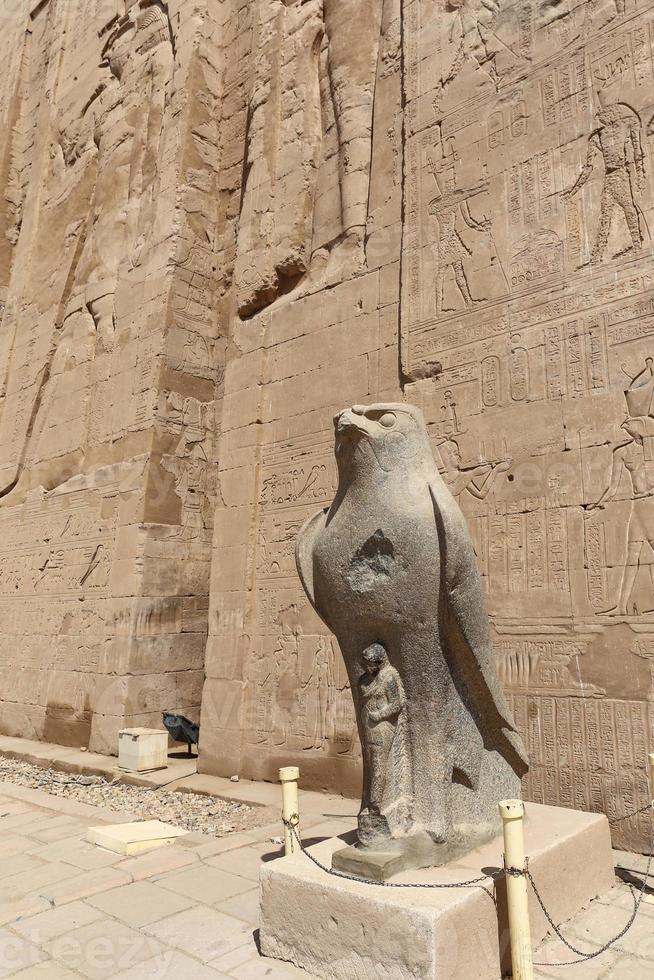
390, 568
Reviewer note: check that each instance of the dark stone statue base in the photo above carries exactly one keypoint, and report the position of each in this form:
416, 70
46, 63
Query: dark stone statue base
417, 851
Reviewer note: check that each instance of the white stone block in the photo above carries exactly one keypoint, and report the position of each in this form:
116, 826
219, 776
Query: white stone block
142, 749
133, 838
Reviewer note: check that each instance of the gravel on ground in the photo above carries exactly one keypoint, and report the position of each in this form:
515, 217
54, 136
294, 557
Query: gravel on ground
192, 811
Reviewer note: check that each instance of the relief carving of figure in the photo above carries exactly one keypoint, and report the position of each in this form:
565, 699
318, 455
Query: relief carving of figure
285, 144
478, 480
450, 249
353, 29
476, 41
617, 141
600, 13
286, 693
126, 116
115, 143
321, 682
473, 34
634, 459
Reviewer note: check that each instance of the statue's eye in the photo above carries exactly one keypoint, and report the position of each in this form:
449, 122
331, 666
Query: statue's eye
387, 420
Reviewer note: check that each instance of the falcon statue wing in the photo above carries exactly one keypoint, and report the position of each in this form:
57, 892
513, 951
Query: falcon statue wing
304, 551
467, 636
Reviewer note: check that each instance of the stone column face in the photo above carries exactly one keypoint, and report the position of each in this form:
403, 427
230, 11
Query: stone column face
313, 168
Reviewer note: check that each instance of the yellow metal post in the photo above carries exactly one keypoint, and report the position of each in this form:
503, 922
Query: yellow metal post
288, 777
512, 813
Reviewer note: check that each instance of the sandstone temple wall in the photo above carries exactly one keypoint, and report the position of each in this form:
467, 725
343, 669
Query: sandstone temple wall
503, 162
314, 327
224, 220
110, 360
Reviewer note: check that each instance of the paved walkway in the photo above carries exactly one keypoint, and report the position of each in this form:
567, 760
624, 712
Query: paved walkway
69, 909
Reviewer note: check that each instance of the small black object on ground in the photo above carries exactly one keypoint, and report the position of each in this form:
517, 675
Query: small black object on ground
181, 729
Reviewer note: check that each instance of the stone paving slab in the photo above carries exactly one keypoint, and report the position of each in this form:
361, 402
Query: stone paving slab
16, 953
48, 970
191, 910
75, 851
85, 885
202, 932
172, 965
45, 926
203, 883
244, 906
103, 948
14, 844
140, 903
157, 862
246, 861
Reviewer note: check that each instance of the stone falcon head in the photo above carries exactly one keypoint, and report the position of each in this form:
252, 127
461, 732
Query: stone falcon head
391, 436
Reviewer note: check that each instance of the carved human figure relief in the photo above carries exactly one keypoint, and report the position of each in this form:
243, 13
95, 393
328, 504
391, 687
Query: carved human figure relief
633, 462
473, 35
598, 14
450, 249
318, 50
320, 686
477, 480
353, 31
617, 144
478, 42
115, 147
126, 117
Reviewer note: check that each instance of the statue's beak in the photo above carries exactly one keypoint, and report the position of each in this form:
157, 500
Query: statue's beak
349, 422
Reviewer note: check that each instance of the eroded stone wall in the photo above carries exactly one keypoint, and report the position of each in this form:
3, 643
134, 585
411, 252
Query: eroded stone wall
110, 359
527, 287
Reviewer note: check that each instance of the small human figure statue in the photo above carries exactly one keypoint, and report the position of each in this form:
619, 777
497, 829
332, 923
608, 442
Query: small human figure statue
382, 701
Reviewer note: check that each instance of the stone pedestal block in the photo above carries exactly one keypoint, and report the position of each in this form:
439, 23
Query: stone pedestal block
336, 928
142, 749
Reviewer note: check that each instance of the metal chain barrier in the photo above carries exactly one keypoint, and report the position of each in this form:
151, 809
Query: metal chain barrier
472, 883
628, 816
637, 897
582, 957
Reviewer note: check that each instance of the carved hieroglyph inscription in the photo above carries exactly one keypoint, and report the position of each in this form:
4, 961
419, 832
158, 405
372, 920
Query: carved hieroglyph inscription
527, 280
297, 694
